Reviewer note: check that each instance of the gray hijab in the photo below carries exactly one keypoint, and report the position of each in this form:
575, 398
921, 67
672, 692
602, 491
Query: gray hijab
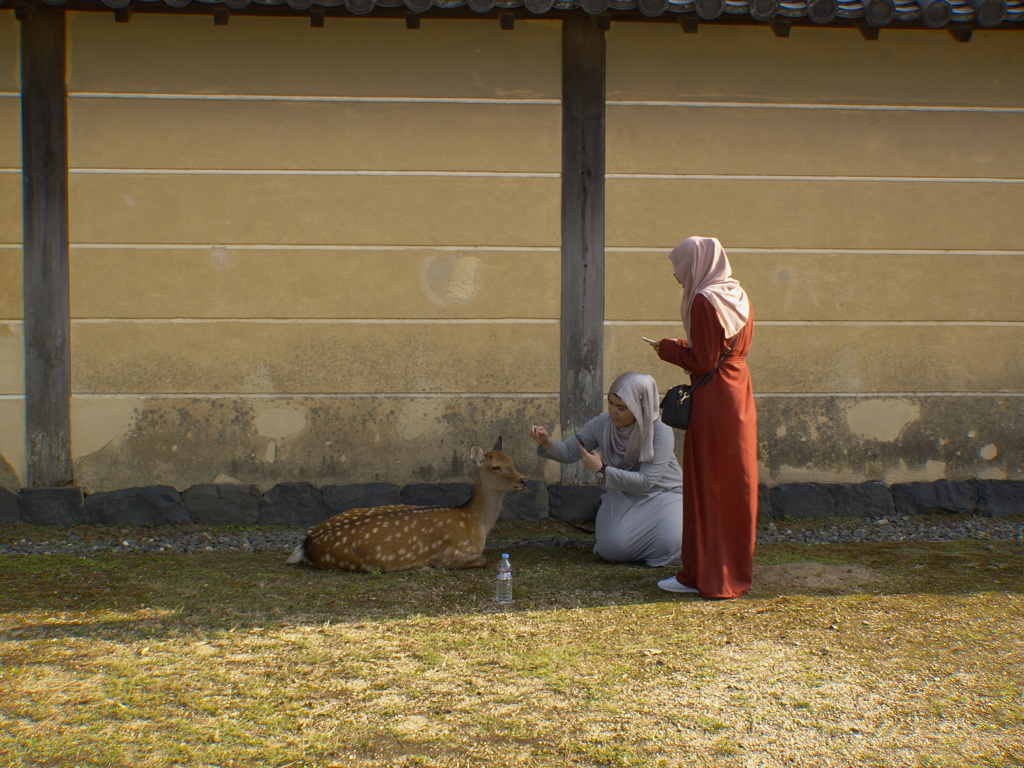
634, 443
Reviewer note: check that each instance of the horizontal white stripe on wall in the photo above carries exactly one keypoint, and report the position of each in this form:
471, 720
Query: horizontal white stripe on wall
504, 249
522, 321
290, 247
848, 323
758, 177
307, 321
312, 395
493, 395
836, 251
820, 107
531, 175
513, 320
314, 99
546, 102
876, 395
274, 172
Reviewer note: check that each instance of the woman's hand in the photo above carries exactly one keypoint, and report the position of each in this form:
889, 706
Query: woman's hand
540, 436
591, 460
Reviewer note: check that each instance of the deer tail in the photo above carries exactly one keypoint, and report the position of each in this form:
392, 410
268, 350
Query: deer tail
299, 555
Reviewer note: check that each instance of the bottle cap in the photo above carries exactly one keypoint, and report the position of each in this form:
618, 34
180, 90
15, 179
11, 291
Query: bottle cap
504, 554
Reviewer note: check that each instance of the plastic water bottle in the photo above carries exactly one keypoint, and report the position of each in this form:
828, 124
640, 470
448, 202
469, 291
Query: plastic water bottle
503, 593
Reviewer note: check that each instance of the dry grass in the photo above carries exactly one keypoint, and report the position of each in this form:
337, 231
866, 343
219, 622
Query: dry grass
887, 655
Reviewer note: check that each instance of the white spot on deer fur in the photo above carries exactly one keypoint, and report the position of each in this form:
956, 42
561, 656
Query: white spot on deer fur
988, 452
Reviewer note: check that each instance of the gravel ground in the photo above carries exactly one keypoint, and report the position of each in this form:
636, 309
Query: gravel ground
85, 542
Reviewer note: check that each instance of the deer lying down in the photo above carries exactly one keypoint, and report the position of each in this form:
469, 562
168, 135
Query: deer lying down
399, 538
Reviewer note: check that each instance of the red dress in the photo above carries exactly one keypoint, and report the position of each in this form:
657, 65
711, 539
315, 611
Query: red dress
719, 458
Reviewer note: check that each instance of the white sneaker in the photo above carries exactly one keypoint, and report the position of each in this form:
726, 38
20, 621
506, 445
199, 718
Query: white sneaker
671, 584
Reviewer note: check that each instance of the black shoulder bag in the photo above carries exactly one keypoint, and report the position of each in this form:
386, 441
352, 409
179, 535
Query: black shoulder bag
675, 406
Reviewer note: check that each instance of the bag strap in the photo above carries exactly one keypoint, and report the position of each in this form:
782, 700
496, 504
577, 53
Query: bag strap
707, 376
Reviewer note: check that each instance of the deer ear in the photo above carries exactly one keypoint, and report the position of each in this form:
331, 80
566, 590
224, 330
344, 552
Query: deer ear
497, 445
477, 454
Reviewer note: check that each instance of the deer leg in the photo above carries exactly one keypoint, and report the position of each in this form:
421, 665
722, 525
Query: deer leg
460, 560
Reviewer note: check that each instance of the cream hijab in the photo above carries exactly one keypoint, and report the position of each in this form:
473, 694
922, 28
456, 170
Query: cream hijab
700, 264
636, 442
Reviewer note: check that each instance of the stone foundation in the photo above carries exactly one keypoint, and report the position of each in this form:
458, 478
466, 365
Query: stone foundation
304, 505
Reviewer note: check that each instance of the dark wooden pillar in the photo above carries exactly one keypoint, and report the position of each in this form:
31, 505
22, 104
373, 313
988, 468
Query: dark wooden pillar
46, 285
583, 136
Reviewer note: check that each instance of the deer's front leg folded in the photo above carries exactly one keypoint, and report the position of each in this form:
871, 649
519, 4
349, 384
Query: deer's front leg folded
461, 560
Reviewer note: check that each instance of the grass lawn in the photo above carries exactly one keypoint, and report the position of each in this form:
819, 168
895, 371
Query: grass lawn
841, 655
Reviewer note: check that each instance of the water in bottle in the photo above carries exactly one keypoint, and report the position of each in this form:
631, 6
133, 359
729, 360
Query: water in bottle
504, 583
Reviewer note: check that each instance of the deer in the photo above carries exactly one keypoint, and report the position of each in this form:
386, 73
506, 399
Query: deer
406, 537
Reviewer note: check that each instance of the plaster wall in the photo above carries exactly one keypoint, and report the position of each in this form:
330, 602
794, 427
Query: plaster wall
328, 255
12, 331
868, 195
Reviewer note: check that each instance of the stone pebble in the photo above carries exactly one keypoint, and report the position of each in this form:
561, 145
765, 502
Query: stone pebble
284, 541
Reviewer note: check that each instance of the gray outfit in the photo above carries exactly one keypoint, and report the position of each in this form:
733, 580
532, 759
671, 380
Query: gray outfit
641, 512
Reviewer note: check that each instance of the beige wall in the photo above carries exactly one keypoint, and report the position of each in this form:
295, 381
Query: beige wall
333, 254
12, 348
880, 243
354, 229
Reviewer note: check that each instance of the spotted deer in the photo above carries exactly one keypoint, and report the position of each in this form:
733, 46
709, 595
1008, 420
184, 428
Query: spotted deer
403, 537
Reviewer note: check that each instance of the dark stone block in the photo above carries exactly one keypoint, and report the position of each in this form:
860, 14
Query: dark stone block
574, 503
951, 496
338, 498
437, 495
293, 504
1000, 498
764, 502
531, 503
155, 505
224, 504
804, 500
61, 507
873, 499
10, 513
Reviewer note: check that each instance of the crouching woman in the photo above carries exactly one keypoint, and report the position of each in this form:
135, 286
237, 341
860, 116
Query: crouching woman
632, 453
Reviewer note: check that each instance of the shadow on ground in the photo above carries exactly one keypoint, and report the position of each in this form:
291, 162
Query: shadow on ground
148, 595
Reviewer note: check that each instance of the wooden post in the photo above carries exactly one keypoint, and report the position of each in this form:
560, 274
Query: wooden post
46, 284
583, 139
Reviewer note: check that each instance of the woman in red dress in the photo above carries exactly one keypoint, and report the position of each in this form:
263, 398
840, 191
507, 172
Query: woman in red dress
720, 447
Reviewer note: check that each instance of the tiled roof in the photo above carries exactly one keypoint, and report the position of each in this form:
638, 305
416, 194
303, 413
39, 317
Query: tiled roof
877, 13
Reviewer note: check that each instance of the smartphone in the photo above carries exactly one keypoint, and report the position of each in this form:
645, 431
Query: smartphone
649, 341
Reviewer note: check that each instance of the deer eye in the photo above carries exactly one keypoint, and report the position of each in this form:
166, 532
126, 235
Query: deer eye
495, 469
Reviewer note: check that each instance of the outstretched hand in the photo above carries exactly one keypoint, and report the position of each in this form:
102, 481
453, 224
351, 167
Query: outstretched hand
591, 459
540, 436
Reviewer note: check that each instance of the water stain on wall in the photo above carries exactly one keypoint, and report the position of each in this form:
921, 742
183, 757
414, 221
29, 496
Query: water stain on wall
344, 440
451, 278
98, 421
276, 423
13, 456
881, 419
853, 439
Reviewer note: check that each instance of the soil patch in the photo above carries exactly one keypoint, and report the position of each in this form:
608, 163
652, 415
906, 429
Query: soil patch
814, 576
